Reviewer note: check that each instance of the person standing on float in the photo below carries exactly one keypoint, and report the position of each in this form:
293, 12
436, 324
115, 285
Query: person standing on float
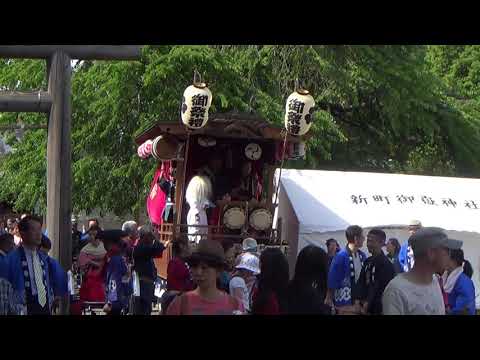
198, 195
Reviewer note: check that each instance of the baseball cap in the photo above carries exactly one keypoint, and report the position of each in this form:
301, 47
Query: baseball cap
431, 238
249, 262
249, 244
414, 223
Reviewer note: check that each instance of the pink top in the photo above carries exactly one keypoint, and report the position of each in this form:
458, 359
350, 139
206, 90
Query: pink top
191, 303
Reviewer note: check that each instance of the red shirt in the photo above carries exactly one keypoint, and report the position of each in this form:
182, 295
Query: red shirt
178, 276
191, 303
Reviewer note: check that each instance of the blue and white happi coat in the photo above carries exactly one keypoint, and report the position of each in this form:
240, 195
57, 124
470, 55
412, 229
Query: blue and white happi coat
405, 257
19, 276
341, 277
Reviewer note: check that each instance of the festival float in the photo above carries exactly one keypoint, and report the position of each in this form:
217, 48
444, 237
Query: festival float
231, 159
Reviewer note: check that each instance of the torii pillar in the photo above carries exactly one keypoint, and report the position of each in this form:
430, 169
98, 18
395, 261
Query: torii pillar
57, 103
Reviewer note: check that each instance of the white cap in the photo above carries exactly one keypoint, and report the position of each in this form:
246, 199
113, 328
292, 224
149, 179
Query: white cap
249, 262
249, 244
415, 223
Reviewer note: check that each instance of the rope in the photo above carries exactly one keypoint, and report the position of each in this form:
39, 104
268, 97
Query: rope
281, 167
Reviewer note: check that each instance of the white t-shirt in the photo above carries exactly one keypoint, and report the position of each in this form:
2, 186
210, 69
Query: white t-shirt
357, 265
403, 297
196, 216
238, 283
17, 240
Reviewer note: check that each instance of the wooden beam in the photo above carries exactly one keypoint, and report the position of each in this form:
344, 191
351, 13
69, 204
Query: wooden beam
183, 188
59, 157
83, 52
179, 190
14, 101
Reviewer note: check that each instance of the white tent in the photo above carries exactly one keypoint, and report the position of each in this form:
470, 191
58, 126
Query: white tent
317, 205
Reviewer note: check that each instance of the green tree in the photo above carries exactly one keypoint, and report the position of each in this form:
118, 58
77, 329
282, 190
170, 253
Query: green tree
411, 109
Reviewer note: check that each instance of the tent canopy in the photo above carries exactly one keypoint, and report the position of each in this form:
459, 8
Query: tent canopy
327, 201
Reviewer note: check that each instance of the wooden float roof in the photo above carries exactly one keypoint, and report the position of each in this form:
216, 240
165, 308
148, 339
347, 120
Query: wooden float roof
229, 125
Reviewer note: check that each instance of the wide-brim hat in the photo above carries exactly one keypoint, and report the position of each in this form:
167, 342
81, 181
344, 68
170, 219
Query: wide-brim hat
208, 251
249, 262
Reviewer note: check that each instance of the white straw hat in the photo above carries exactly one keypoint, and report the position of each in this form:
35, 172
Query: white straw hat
249, 262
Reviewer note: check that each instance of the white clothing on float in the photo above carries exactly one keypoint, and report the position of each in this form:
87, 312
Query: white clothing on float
197, 216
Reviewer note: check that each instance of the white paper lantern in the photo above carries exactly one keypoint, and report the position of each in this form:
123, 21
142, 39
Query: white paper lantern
299, 112
196, 101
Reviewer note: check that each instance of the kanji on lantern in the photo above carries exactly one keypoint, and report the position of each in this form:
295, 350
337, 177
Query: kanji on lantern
196, 102
298, 112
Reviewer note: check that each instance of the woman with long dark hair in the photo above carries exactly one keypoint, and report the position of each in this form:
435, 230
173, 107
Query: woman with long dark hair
270, 295
308, 288
458, 285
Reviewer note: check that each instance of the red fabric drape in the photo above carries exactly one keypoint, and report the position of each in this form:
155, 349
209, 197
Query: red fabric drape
157, 199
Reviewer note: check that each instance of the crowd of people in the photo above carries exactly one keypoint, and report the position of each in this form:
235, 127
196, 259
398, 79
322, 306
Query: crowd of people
115, 271
427, 275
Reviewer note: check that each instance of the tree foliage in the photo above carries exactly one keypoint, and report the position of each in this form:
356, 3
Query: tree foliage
411, 109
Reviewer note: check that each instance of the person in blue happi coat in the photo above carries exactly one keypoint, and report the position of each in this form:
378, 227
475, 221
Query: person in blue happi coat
405, 255
458, 285
7, 244
28, 269
58, 276
343, 290
118, 283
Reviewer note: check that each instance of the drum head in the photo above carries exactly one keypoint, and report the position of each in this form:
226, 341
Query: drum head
261, 219
164, 148
234, 218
